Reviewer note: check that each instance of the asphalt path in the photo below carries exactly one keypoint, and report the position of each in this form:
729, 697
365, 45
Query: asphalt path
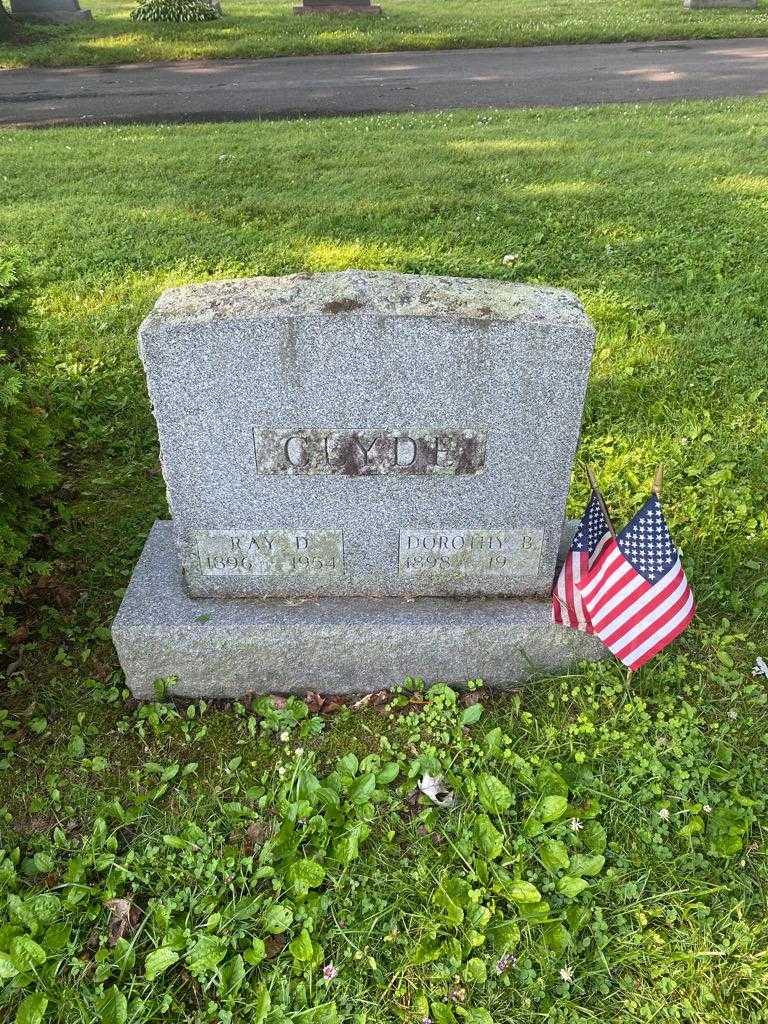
364, 83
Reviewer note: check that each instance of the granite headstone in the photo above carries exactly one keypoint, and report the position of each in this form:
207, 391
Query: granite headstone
49, 10
708, 5
364, 7
366, 475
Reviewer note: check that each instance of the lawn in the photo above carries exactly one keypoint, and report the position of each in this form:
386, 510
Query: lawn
604, 859
267, 28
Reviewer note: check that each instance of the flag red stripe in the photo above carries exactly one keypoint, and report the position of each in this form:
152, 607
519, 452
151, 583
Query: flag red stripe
556, 613
643, 612
644, 596
627, 641
599, 605
560, 611
564, 611
667, 638
629, 595
633, 617
612, 582
601, 569
579, 568
592, 559
569, 589
567, 605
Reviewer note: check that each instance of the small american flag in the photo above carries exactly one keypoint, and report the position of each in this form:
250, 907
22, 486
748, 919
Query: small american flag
593, 534
636, 594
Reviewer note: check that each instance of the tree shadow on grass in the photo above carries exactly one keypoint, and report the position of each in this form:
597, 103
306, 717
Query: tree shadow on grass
598, 202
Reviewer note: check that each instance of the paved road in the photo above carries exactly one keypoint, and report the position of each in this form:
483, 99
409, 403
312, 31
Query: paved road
375, 82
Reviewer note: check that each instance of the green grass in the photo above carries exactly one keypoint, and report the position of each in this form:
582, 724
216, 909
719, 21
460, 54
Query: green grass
656, 217
267, 28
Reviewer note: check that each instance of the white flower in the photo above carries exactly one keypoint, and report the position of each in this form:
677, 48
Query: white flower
707, 809
566, 973
664, 814
299, 751
575, 825
281, 771
761, 668
510, 258
285, 736
733, 714
329, 972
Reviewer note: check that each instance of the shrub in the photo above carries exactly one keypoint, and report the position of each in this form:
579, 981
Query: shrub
176, 10
8, 26
26, 438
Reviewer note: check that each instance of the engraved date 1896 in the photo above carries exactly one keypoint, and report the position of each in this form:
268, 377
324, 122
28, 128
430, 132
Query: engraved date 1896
270, 552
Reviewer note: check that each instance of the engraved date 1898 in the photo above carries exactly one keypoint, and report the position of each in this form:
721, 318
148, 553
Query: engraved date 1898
515, 552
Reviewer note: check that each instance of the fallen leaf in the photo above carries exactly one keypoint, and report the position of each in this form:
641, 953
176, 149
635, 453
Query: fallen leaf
412, 804
63, 596
436, 790
255, 835
321, 705
272, 945
123, 920
91, 944
21, 634
373, 700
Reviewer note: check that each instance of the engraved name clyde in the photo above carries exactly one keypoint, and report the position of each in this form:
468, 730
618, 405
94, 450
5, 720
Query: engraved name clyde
371, 452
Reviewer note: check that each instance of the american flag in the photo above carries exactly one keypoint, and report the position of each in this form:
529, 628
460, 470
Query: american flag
593, 534
636, 594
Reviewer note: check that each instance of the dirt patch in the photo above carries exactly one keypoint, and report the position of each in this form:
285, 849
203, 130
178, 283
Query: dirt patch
341, 306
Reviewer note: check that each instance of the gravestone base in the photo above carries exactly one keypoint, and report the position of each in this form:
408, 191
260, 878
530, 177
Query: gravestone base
322, 7
704, 5
53, 11
226, 647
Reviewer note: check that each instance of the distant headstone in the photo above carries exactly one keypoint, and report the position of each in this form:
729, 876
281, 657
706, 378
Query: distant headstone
49, 10
701, 5
366, 475
337, 7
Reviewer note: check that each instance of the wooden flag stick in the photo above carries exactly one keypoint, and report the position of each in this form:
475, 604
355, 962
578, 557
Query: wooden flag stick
595, 487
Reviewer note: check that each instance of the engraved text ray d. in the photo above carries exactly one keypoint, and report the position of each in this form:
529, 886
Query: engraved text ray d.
308, 553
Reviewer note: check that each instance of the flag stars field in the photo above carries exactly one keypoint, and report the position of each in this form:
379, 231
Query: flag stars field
627, 589
647, 543
636, 595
